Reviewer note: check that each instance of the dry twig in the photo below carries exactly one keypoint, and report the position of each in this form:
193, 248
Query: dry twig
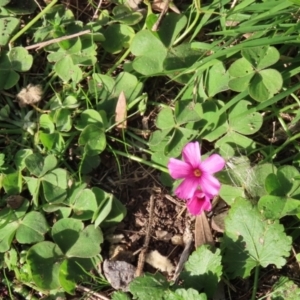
57, 40
142, 256
91, 293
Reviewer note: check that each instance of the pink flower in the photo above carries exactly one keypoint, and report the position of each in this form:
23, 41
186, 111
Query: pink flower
198, 203
196, 173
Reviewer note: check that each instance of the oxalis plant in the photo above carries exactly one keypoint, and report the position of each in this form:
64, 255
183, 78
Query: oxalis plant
70, 90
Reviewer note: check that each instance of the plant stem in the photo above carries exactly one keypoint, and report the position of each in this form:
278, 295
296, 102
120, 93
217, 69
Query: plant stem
35, 19
125, 54
189, 29
140, 160
255, 284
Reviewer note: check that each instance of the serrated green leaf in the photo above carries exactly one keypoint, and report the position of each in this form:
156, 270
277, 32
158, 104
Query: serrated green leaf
285, 289
185, 294
204, 268
149, 287
250, 240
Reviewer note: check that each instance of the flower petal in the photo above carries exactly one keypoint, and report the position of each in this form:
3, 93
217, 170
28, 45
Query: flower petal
213, 164
191, 154
209, 185
179, 169
198, 203
187, 188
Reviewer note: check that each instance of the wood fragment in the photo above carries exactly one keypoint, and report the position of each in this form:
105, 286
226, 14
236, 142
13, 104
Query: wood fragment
203, 233
121, 112
142, 255
188, 239
91, 293
57, 40
161, 15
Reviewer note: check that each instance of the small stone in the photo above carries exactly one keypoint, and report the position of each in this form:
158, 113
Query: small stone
177, 240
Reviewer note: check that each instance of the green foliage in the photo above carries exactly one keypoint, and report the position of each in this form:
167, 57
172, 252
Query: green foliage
215, 73
250, 72
11, 62
203, 270
60, 264
251, 241
285, 289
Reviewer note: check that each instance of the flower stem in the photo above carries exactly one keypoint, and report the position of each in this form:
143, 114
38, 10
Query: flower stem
255, 284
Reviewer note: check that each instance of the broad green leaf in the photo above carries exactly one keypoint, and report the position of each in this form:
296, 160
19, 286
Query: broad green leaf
260, 173
7, 232
261, 57
75, 240
4, 2
12, 183
120, 296
11, 62
32, 228
66, 70
74, 270
93, 139
149, 287
187, 111
104, 201
124, 14
21, 8
276, 207
83, 204
158, 139
250, 240
218, 79
117, 37
62, 118
165, 118
284, 183
265, 84
33, 185
149, 51
47, 123
249, 124
38, 166
89, 163
241, 68
228, 193
52, 141
180, 57
180, 138
185, 294
55, 185
87, 117
116, 215
203, 268
8, 25
170, 29
101, 85
233, 144
44, 260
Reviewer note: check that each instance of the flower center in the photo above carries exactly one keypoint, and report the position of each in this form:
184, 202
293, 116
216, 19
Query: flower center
197, 173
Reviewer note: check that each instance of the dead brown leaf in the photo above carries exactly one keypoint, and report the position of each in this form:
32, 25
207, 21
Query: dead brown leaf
203, 233
160, 5
121, 112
